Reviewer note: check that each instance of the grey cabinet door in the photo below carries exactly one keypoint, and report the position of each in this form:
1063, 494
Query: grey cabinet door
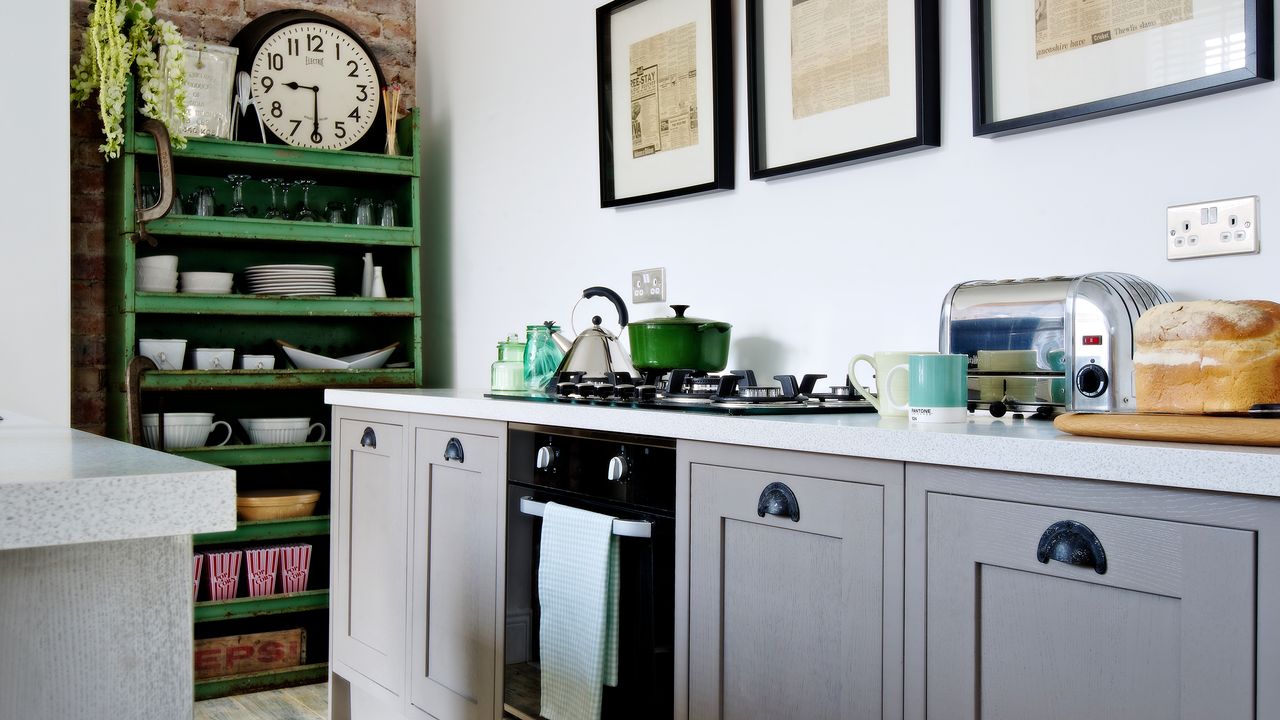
457, 558
1166, 632
370, 541
786, 617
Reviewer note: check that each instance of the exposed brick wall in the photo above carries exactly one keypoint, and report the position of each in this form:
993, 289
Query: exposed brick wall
387, 25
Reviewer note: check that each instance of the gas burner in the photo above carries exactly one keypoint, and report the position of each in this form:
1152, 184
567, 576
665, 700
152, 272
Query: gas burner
837, 394
759, 392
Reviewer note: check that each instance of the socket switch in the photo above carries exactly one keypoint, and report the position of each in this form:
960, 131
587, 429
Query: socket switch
649, 285
1218, 227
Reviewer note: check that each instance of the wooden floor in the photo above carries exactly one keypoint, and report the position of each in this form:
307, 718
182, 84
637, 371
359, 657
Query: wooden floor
308, 702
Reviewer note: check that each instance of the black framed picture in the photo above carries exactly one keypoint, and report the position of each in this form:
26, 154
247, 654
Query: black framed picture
665, 90
1050, 62
835, 82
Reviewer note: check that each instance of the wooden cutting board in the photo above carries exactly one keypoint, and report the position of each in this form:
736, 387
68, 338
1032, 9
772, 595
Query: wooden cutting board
1174, 428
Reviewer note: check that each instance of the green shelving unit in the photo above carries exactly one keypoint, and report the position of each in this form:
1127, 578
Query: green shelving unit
330, 325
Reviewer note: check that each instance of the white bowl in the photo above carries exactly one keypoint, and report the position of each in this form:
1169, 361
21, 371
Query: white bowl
258, 362
370, 360
167, 263
166, 354
280, 431
215, 358
181, 430
206, 283
157, 280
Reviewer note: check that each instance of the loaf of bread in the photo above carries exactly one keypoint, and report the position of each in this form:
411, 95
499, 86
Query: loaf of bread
1207, 356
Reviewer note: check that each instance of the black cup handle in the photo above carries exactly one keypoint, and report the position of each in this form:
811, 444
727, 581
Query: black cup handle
777, 499
1073, 543
369, 439
453, 450
613, 297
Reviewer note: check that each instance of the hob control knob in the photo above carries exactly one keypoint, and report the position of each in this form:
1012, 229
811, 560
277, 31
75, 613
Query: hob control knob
619, 468
1092, 380
546, 457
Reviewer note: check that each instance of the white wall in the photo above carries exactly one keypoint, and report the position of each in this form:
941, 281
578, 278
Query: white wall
35, 221
813, 269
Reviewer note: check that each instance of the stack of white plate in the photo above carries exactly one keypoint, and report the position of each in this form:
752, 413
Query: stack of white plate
290, 280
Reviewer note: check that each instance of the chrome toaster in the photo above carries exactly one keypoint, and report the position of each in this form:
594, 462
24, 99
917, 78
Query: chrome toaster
1045, 345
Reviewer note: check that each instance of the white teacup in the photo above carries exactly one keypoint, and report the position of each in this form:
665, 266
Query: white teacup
181, 430
993, 389
881, 363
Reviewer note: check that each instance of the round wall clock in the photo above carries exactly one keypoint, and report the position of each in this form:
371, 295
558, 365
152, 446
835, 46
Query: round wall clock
315, 83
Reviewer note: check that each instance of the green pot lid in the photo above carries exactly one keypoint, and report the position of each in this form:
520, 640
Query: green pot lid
679, 319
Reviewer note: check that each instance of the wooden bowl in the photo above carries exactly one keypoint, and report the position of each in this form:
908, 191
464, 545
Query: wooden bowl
275, 504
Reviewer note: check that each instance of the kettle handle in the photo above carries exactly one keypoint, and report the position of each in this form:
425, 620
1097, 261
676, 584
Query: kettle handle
613, 297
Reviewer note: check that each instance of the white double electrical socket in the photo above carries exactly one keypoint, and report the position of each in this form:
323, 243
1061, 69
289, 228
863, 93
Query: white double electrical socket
649, 285
1218, 227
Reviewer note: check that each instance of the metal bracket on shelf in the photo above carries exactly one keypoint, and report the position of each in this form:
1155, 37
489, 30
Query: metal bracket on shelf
164, 157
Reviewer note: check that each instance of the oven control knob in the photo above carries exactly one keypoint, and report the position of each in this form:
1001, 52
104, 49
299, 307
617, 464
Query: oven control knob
619, 468
546, 457
1092, 380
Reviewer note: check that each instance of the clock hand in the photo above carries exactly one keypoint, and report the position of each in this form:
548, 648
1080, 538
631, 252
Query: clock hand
296, 86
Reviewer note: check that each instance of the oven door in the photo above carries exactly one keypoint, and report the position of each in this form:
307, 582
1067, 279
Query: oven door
646, 607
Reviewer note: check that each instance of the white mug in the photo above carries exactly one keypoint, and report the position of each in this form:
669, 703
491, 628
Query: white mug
881, 363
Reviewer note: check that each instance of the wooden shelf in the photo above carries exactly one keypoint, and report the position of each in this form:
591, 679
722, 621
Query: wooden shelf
213, 610
258, 229
242, 455
255, 530
275, 379
220, 153
273, 305
264, 680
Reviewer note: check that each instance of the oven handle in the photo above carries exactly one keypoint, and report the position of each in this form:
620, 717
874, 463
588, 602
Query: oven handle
622, 528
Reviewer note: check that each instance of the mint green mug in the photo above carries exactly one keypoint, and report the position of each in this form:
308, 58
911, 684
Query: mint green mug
938, 386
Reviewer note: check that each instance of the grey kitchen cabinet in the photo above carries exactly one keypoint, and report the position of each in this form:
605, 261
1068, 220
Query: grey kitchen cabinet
797, 614
457, 580
1172, 628
370, 531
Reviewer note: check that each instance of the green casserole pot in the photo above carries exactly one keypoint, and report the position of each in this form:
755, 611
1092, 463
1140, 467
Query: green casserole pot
679, 342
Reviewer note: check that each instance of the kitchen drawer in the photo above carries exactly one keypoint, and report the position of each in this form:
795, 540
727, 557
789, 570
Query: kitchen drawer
1168, 630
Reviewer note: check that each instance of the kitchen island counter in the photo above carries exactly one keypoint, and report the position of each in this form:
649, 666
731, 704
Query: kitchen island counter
60, 487
96, 573
1009, 444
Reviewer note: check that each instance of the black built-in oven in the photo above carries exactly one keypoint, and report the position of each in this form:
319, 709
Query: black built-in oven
629, 477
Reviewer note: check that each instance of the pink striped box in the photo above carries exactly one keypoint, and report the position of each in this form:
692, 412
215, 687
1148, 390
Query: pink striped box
260, 565
197, 564
223, 573
295, 565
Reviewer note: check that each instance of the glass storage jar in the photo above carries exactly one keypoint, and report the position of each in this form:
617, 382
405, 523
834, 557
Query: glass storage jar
507, 373
541, 355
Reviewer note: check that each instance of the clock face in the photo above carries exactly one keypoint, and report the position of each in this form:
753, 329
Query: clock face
314, 86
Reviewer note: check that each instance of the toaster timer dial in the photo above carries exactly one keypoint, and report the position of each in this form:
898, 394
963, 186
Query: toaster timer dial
1092, 380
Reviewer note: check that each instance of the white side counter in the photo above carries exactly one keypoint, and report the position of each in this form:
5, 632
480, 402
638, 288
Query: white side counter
95, 573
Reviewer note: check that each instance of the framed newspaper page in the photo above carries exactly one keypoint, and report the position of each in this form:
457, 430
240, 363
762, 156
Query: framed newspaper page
835, 82
1039, 63
665, 89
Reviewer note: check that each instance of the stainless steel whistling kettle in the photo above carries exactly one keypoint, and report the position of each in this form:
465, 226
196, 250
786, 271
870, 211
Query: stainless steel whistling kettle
596, 352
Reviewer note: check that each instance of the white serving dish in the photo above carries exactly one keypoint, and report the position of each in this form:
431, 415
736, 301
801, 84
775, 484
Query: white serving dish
281, 431
181, 430
164, 263
207, 283
258, 362
370, 360
166, 354
215, 358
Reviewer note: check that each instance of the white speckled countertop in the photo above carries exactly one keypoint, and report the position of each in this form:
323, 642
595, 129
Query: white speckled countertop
60, 487
1029, 446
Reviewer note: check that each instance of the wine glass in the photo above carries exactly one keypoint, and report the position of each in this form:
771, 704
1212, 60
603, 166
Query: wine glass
305, 214
273, 212
285, 187
237, 196
364, 211
388, 216
204, 201
335, 211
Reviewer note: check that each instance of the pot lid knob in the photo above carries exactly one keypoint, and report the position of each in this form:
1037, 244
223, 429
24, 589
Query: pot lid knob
595, 320
679, 310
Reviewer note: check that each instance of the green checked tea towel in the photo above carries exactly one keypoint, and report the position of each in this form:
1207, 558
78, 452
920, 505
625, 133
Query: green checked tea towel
578, 591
